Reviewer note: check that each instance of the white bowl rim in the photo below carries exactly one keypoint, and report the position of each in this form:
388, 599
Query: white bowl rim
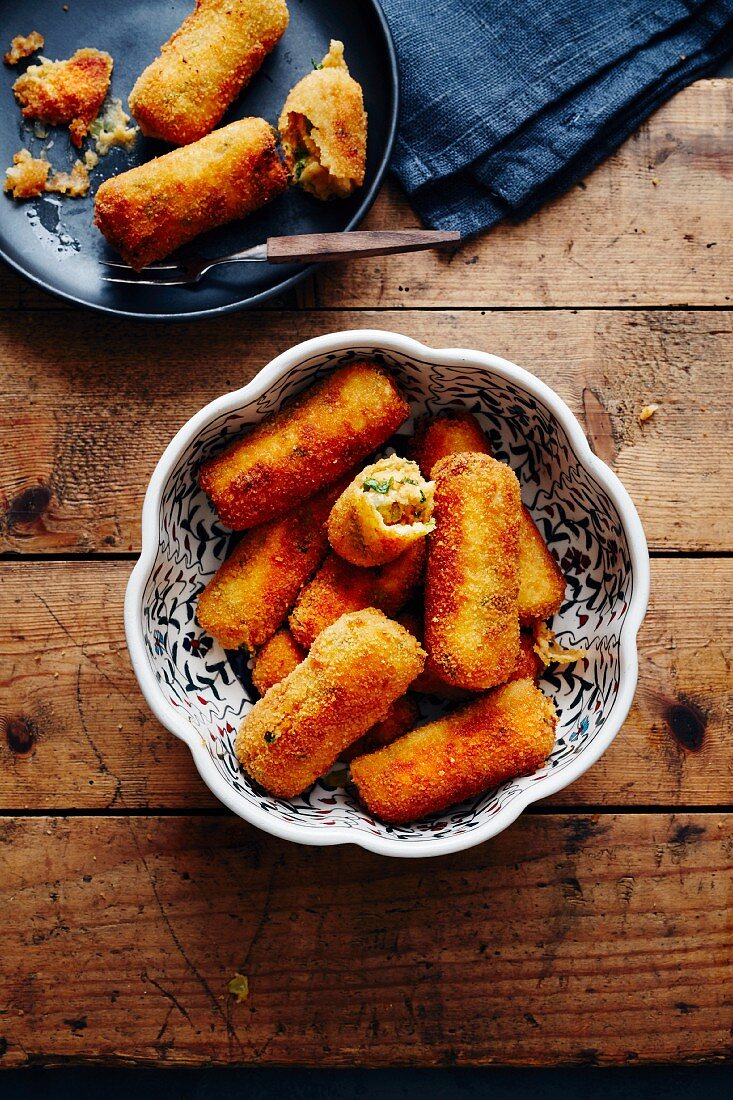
397, 343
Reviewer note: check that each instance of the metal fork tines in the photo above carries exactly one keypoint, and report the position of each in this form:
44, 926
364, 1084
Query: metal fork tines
186, 272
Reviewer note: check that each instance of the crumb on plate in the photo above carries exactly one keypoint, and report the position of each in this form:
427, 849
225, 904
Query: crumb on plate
23, 45
75, 183
26, 179
552, 652
70, 91
111, 128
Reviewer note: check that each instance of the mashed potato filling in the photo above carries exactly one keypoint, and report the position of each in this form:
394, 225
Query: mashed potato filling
397, 491
111, 128
308, 172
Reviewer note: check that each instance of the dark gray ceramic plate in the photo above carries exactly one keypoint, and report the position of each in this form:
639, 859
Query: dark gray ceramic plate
52, 240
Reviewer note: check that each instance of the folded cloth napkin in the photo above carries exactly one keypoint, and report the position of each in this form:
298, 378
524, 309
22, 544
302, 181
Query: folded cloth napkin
506, 103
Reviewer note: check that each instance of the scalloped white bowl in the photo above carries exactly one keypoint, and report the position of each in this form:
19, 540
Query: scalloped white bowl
584, 512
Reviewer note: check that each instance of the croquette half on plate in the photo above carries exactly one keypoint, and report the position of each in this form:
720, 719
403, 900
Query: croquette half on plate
323, 127
203, 67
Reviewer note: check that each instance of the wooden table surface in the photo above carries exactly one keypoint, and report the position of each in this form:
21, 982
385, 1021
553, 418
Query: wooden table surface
597, 929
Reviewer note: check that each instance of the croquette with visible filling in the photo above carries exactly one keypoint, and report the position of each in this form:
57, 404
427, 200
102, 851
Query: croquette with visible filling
356, 668
386, 508
508, 732
323, 127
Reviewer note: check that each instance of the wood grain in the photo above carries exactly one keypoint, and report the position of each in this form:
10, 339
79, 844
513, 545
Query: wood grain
75, 470
653, 225
578, 940
76, 733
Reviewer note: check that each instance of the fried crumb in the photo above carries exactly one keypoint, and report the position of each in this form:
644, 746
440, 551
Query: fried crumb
647, 412
655, 181
26, 179
111, 128
23, 45
550, 651
66, 92
239, 988
75, 183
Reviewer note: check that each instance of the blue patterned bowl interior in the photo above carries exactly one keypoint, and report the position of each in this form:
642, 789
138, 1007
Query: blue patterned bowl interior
582, 525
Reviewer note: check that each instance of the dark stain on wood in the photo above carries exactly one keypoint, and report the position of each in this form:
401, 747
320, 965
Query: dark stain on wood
685, 1008
21, 736
599, 426
78, 1023
3, 1046
687, 724
29, 505
687, 834
579, 830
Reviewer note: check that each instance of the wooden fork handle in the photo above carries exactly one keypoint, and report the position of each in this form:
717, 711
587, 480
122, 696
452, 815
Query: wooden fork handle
322, 247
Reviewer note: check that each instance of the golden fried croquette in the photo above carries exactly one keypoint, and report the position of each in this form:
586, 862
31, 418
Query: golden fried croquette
61, 92
508, 732
428, 682
282, 654
356, 668
276, 660
23, 45
339, 587
309, 443
26, 178
541, 583
203, 67
472, 581
450, 432
149, 211
528, 666
251, 593
402, 716
386, 507
323, 127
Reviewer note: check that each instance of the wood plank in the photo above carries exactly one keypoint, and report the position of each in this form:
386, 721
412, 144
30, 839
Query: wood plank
653, 225
582, 940
75, 471
76, 733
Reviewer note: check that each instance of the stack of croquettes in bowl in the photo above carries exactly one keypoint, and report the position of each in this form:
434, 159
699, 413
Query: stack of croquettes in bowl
387, 595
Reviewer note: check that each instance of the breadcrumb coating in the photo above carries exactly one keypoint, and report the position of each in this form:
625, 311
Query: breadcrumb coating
354, 671
472, 582
203, 67
541, 583
66, 92
23, 45
386, 507
150, 211
508, 732
310, 442
450, 432
26, 178
401, 717
276, 660
252, 591
339, 587
323, 127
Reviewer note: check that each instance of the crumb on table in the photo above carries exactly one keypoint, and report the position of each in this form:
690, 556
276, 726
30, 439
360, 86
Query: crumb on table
647, 412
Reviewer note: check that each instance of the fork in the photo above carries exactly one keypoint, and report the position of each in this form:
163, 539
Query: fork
300, 248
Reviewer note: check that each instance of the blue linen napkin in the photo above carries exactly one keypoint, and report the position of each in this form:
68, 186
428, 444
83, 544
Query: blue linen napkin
506, 103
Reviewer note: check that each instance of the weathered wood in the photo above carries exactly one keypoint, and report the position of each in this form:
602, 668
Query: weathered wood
578, 940
75, 731
81, 433
653, 225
